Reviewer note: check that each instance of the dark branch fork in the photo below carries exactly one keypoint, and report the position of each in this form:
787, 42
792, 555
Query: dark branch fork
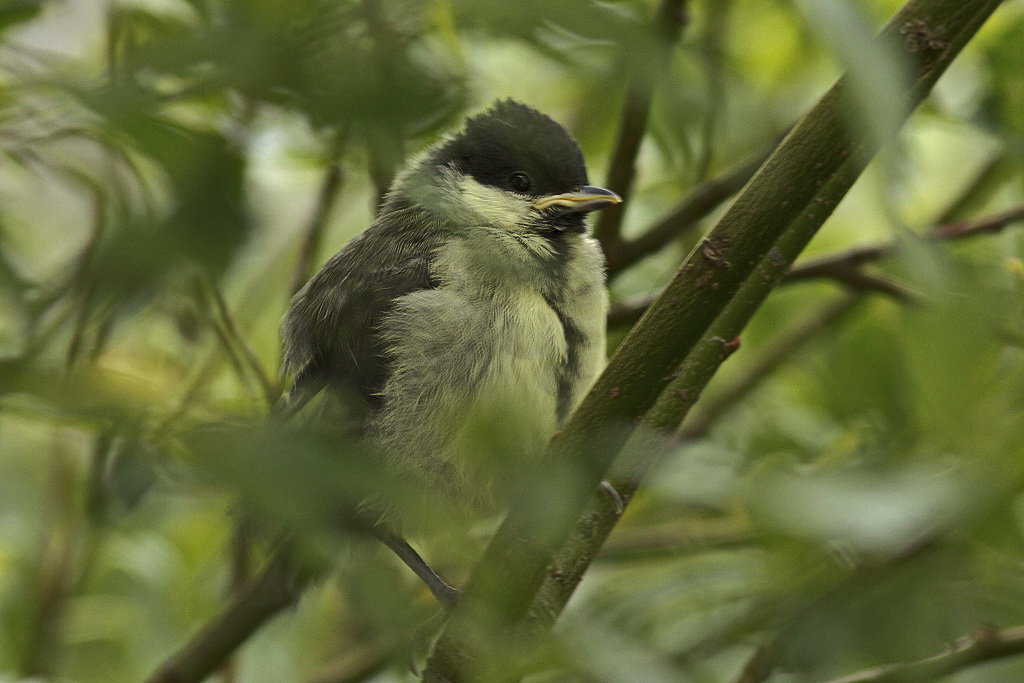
836, 265
846, 267
686, 215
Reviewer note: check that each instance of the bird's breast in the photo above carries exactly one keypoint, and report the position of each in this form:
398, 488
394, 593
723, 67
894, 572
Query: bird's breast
485, 365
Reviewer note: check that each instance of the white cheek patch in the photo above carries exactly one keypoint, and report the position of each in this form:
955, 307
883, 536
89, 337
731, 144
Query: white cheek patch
486, 205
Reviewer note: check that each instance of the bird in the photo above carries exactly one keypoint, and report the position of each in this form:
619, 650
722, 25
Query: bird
461, 329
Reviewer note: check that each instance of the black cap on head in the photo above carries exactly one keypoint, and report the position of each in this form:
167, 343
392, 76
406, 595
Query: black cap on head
516, 148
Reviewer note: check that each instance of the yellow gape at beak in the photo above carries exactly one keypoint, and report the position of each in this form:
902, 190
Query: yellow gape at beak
585, 199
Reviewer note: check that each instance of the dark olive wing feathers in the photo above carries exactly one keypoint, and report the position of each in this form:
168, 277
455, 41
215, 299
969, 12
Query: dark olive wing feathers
332, 335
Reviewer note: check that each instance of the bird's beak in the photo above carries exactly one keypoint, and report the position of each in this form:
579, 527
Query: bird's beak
585, 199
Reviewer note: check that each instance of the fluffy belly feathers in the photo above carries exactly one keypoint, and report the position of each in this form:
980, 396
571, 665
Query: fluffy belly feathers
482, 366
475, 384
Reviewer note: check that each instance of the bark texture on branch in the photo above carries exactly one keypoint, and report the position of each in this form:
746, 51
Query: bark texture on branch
701, 201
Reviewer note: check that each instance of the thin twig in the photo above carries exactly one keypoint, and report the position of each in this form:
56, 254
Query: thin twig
238, 350
701, 201
983, 644
675, 539
669, 21
772, 356
836, 265
845, 266
326, 198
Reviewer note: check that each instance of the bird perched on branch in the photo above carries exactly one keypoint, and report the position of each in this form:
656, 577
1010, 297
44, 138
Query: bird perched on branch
465, 324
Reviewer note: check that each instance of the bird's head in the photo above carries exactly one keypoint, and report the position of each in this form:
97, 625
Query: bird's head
510, 168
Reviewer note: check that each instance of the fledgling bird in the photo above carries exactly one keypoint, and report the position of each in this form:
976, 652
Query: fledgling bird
475, 292
471, 312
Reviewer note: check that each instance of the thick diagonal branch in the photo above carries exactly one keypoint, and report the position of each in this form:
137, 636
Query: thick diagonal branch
701, 201
504, 588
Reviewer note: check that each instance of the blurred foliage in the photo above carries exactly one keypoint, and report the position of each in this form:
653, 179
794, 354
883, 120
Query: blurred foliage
162, 163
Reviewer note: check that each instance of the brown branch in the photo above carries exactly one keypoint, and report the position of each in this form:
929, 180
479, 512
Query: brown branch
701, 201
264, 596
773, 356
983, 644
675, 539
838, 265
845, 266
669, 21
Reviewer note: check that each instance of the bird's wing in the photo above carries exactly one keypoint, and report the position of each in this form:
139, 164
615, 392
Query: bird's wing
331, 331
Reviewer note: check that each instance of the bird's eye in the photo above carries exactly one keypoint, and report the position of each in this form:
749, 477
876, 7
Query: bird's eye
519, 181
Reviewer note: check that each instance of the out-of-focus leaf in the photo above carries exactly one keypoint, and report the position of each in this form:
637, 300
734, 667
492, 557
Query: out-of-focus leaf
877, 515
876, 70
310, 480
14, 12
133, 469
1006, 63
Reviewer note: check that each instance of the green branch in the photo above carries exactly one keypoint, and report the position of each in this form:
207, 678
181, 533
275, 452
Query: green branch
984, 644
516, 581
685, 216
